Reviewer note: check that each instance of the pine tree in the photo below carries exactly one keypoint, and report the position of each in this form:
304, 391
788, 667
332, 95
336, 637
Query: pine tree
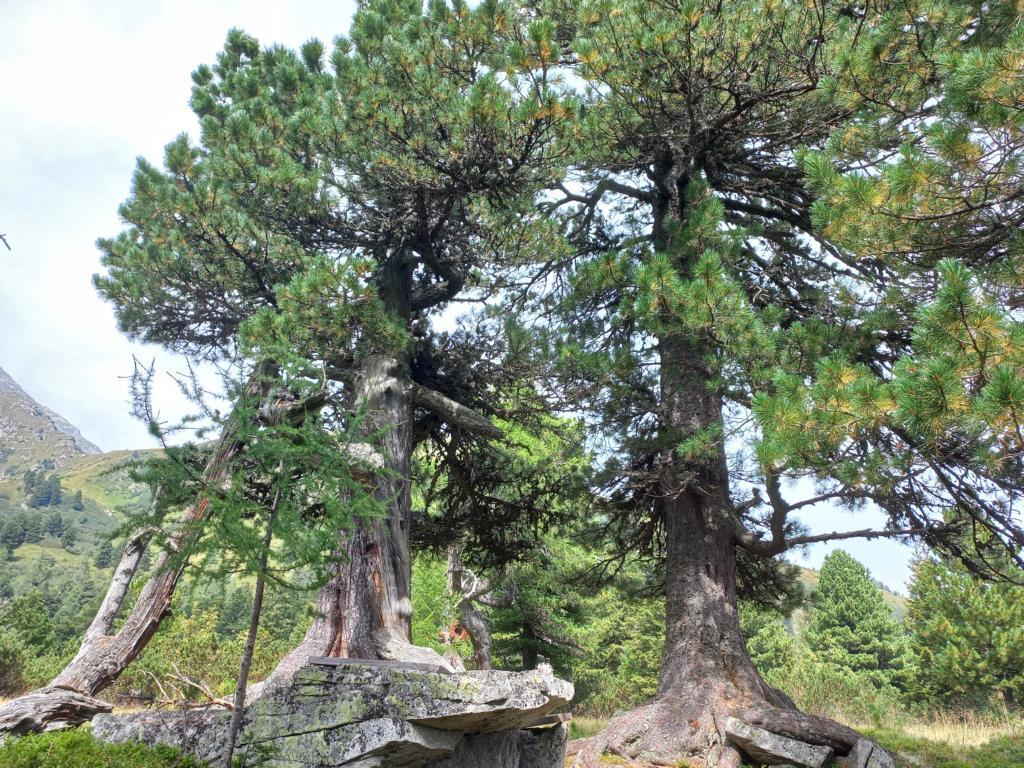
55, 525
56, 493
69, 538
77, 503
751, 301
42, 493
968, 635
13, 535
104, 554
28, 617
769, 644
233, 615
33, 529
852, 628
370, 191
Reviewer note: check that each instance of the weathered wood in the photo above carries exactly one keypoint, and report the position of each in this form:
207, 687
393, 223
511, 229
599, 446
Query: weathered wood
102, 657
120, 583
47, 709
467, 588
548, 720
454, 413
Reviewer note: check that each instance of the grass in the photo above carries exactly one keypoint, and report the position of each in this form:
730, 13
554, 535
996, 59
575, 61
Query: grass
583, 727
955, 740
77, 749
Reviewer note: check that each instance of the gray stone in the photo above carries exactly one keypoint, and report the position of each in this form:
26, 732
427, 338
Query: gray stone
880, 759
858, 757
352, 714
484, 750
772, 749
543, 747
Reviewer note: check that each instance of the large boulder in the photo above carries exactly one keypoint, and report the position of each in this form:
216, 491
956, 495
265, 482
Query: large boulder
342, 712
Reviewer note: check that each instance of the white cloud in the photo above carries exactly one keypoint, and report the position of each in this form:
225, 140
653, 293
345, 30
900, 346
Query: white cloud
85, 88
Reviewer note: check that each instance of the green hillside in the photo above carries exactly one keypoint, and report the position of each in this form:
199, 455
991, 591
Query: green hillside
60, 498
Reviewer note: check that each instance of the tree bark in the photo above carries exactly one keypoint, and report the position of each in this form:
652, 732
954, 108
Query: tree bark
706, 673
466, 588
102, 656
365, 610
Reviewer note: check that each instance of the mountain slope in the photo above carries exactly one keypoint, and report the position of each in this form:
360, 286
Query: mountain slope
32, 436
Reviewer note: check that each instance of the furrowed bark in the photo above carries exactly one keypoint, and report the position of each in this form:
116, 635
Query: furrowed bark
365, 610
102, 656
706, 673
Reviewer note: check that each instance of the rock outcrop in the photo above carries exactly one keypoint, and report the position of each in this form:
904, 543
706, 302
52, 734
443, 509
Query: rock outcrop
769, 748
341, 712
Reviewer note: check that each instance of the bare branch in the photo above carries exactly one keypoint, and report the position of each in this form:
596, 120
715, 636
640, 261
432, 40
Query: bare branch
453, 413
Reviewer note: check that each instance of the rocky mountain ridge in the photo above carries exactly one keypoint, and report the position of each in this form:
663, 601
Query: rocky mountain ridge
32, 436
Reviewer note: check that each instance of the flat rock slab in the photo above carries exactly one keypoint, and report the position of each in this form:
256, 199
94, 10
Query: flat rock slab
773, 749
349, 713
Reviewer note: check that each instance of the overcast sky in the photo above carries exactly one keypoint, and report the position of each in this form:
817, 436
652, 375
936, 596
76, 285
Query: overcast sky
85, 88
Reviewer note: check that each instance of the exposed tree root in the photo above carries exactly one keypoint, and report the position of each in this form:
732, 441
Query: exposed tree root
675, 731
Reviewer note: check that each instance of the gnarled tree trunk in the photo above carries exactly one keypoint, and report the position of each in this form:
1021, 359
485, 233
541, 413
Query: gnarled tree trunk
365, 610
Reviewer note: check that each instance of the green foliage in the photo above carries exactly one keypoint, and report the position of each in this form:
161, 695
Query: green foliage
968, 636
770, 646
13, 658
77, 749
193, 643
851, 629
620, 637
104, 554
29, 618
828, 690
46, 491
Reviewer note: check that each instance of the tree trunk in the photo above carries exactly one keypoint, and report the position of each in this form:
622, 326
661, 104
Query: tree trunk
250, 640
102, 657
365, 611
466, 588
706, 673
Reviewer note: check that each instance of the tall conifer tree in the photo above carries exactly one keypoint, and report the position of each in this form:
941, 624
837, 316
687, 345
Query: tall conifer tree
753, 314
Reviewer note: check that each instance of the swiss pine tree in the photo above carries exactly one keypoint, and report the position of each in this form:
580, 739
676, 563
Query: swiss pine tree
335, 201
795, 232
967, 634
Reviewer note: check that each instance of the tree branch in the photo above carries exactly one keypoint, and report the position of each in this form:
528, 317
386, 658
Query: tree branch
453, 413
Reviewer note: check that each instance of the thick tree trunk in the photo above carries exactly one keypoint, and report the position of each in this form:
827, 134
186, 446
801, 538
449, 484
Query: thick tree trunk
102, 656
706, 673
365, 611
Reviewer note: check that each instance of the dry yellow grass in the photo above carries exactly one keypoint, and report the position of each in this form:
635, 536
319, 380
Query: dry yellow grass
965, 729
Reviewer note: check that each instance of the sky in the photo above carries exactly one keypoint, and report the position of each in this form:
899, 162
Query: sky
86, 87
